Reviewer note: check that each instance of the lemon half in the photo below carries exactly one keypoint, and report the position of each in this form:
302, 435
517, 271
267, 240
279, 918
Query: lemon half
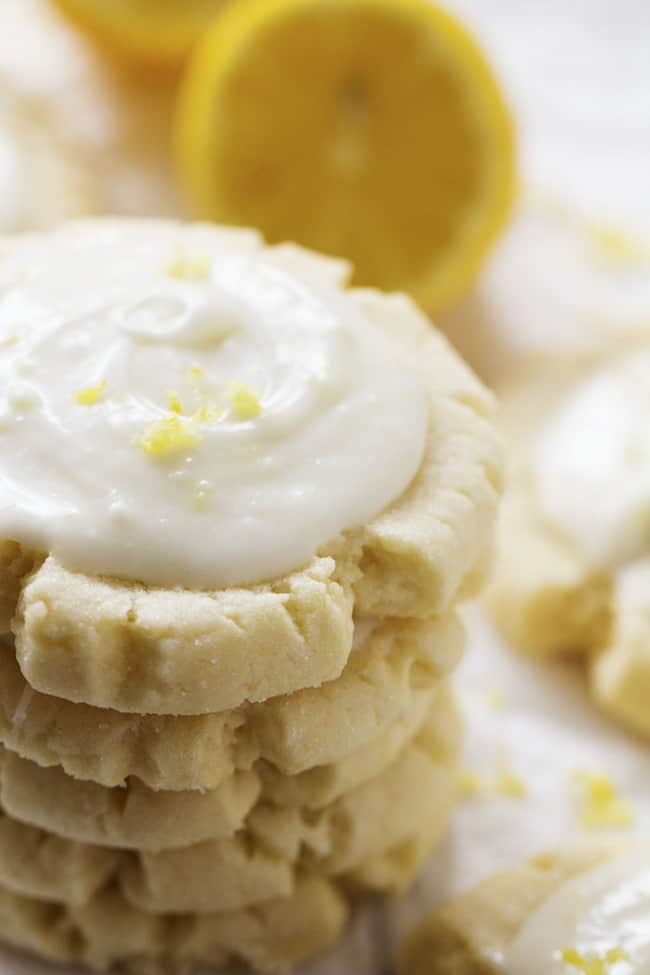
368, 129
156, 33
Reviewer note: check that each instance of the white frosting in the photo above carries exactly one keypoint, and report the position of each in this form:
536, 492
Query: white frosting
592, 463
127, 314
601, 914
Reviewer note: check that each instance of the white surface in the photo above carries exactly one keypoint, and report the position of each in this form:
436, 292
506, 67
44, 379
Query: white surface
579, 77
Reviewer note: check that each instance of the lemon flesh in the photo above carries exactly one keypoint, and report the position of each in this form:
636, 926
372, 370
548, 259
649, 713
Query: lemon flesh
368, 129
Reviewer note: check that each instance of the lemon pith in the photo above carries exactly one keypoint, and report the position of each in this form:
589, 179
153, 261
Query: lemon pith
369, 129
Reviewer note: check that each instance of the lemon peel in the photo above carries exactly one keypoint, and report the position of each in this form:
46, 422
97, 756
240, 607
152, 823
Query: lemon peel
495, 698
195, 267
167, 436
174, 402
503, 783
602, 806
613, 247
244, 401
91, 394
594, 964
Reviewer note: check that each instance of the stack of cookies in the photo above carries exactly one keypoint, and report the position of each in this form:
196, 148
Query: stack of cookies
190, 775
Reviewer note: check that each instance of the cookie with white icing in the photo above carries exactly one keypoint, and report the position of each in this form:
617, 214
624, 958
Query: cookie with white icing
574, 538
203, 352
583, 909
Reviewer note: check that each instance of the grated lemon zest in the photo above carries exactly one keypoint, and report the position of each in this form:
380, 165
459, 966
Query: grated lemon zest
508, 784
205, 414
602, 805
495, 698
174, 401
91, 394
201, 501
504, 783
593, 964
245, 401
469, 783
196, 267
614, 247
165, 437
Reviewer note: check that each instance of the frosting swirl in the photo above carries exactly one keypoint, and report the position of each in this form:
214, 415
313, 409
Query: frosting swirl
182, 407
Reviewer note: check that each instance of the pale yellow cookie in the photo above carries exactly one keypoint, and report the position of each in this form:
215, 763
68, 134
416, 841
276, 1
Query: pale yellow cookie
415, 791
107, 931
132, 817
80, 637
544, 594
396, 666
407, 804
550, 595
40, 865
469, 935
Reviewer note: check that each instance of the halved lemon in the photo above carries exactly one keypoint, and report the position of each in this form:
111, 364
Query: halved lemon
151, 32
368, 129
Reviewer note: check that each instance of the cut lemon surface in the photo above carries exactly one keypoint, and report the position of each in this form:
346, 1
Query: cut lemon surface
368, 129
150, 32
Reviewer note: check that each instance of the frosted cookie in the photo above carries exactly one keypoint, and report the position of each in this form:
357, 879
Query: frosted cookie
203, 352
584, 909
394, 671
107, 931
133, 817
41, 182
574, 544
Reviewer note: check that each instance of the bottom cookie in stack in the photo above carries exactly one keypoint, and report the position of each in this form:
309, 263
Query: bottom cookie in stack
271, 894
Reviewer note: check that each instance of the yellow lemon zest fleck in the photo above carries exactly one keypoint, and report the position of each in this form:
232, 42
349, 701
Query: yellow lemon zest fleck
91, 394
201, 501
602, 805
613, 247
509, 784
196, 374
205, 414
495, 698
189, 268
174, 401
469, 783
167, 436
503, 783
593, 964
245, 401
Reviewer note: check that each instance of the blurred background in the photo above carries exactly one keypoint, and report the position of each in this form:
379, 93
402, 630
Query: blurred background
569, 250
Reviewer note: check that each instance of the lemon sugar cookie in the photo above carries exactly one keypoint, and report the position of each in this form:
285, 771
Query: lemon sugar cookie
581, 909
573, 551
106, 931
393, 672
199, 651
240, 503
